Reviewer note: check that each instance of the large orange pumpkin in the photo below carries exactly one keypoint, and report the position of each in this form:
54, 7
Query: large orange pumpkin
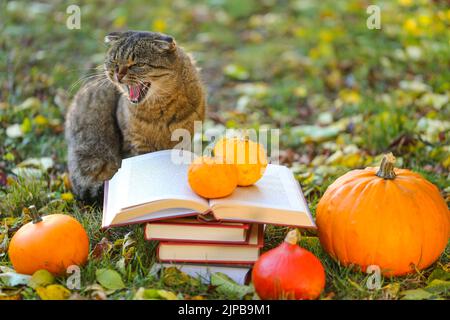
212, 177
389, 217
249, 157
53, 242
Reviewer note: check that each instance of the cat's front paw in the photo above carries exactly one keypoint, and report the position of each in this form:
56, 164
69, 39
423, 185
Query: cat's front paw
106, 171
95, 169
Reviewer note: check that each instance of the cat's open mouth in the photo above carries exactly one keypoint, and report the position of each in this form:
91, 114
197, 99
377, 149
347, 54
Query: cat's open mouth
137, 92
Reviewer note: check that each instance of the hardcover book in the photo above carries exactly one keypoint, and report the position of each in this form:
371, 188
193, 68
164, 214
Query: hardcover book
211, 253
193, 230
154, 187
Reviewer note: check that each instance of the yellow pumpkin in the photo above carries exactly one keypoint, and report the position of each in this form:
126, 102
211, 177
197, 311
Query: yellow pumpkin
388, 217
249, 157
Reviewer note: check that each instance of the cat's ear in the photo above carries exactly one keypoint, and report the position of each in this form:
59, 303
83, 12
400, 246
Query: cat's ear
165, 44
112, 37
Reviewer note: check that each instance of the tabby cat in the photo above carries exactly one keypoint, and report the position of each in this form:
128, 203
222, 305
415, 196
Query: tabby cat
152, 88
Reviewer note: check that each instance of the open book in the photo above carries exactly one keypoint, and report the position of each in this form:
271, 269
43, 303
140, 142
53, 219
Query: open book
154, 187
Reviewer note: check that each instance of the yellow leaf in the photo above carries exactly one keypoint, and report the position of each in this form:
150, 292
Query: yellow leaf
66, 181
425, 20
15, 296
446, 162
326, 36
40, 120
300, 92
405, 3
41, 278
300, 32
26, 126
53, 292
159, 25
120, 21
351, 160
168, 295
411, 26
350, 96
67, 196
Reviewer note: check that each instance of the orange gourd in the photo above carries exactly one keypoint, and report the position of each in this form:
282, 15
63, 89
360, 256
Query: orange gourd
288, 272
249, 157
388, 217
53, 242
212, 178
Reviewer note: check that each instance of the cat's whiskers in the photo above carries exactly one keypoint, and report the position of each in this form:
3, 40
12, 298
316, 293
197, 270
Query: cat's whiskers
85, 79
98, 82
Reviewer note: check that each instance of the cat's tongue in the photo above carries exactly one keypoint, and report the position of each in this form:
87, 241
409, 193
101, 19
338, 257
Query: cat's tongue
134, 92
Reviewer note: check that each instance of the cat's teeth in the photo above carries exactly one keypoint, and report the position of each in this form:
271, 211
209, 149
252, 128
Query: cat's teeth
134, 92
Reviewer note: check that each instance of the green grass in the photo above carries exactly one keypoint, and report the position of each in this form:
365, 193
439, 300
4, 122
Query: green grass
306, 60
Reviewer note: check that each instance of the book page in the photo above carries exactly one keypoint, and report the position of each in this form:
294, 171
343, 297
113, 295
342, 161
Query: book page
155, 177
111, 201
277, 189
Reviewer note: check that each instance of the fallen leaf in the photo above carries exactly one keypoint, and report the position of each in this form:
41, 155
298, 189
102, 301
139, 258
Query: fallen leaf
67, 196
40, 120
235, 71
391, 290
154, 294
11, 297
27, 173
14, 131
41, 278
30, 103
53, 292
440, 274
312, 133
26, 125
438, 286
12, 279
110, 279
228, 286
98, 292
174, 277
102, 248
415, 294
43, 163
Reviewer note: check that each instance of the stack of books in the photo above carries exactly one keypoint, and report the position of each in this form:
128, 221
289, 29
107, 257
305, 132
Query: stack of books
197, 235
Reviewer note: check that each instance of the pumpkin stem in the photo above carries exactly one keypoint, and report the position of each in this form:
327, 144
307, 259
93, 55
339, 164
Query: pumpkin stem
293, 236
32, 211
386, 170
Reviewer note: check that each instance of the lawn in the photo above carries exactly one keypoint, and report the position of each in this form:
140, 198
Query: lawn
342, 95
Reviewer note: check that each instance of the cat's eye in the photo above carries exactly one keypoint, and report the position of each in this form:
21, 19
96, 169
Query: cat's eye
139, 65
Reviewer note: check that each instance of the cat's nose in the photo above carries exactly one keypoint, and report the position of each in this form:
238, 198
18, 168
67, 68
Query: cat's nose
121, 73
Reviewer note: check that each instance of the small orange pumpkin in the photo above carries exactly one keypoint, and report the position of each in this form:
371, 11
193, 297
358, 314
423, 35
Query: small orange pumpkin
212, 178
389, 217
249, 157
288, 272
53, 242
